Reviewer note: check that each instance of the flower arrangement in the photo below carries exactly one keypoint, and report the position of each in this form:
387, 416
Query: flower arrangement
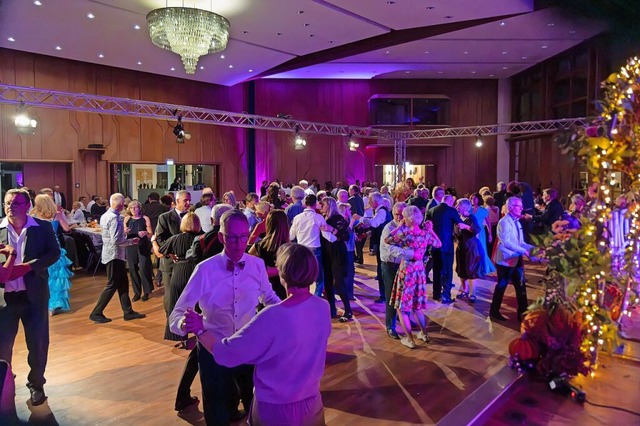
585, 296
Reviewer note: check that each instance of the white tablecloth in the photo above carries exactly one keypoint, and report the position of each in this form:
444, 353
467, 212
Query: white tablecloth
94, 233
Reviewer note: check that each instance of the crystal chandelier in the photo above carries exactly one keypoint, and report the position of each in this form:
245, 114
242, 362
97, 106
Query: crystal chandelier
189, 32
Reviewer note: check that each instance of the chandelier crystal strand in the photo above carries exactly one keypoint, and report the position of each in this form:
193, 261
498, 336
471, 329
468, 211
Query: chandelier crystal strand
189, 32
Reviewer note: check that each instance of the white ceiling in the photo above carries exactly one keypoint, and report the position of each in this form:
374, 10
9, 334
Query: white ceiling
268, 33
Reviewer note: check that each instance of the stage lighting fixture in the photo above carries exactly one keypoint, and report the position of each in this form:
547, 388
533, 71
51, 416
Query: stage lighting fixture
353, 144
179, 131
300, 143
479, 141
24, 123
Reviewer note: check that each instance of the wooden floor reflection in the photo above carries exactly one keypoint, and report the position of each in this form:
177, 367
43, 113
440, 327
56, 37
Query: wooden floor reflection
123, 373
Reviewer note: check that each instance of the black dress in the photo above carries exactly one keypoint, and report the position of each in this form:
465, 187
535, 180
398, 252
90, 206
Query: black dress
334, 263
269, 258
139, 258
469, 253
179, 245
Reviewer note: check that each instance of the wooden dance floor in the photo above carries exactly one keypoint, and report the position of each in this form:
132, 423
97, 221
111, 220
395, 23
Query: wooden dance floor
124, 373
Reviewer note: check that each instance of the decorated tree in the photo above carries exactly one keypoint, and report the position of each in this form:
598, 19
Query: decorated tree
594, 269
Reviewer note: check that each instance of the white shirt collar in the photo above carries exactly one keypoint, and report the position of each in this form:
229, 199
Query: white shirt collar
30, 222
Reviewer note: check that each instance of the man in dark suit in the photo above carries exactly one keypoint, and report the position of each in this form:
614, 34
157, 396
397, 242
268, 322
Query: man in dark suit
444, 217
552, 212
357, 207
169, 225
58, 197
437, 194
154, 208
25, 296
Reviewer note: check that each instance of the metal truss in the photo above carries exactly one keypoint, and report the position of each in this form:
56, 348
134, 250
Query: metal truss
43, 98
399, 159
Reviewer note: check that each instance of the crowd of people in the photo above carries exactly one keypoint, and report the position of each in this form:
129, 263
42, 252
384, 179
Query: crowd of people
232, 271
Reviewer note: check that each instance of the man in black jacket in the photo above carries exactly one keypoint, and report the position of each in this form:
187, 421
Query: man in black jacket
552, 212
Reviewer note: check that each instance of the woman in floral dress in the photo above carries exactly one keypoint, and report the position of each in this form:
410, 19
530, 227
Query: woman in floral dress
409, 293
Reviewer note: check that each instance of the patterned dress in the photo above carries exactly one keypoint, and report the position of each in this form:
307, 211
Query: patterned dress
410, 286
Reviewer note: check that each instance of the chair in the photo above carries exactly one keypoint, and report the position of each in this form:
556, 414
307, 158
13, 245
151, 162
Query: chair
93, 260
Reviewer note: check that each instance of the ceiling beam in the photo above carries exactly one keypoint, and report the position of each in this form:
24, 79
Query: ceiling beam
382, 41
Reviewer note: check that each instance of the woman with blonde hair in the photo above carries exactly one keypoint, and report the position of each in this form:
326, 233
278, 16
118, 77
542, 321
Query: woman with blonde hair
409, 293
136, 225
45, 208
277, 234
230, 198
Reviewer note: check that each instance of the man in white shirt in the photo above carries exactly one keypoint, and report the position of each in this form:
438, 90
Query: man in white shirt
306, 230
227, 287
305, 185
26, 293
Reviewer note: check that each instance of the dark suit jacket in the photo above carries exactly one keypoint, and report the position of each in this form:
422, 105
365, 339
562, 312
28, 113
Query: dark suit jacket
63, 200
168, 226
444, 218
41, 251
153, 211
552, 212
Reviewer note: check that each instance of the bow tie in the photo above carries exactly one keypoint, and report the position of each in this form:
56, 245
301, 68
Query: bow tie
231, 266
182, 214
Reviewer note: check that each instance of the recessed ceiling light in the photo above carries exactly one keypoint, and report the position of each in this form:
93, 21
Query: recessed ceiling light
505, 68
544, 46
173, 69
440, 72
502, 24
331, 41
245, 32
305, 25
139, 63
430, 7
221, 56
504, 52
465, 52
201, 67
491, 75
524, 58
136, 27
230, 66
300, 12
572, 32
58, 48
407, 72
11, 39
550, 24
90, 15
100, 55
427, 52
37, 3
250, 70
278, 34
387, 52
473, 72
448, 17
311, 35
391, 2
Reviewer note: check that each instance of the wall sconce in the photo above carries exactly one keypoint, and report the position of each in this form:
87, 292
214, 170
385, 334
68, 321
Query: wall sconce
300, 143
352, 144
24, 123
479, 141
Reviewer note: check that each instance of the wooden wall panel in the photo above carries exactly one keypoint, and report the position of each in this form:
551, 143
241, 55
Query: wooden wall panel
62, 134
473, 102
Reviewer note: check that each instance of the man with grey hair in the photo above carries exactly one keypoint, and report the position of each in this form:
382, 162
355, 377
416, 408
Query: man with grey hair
295, 208
342, 196
168, 226
500, 195
227, 287
114, 241
206, 245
